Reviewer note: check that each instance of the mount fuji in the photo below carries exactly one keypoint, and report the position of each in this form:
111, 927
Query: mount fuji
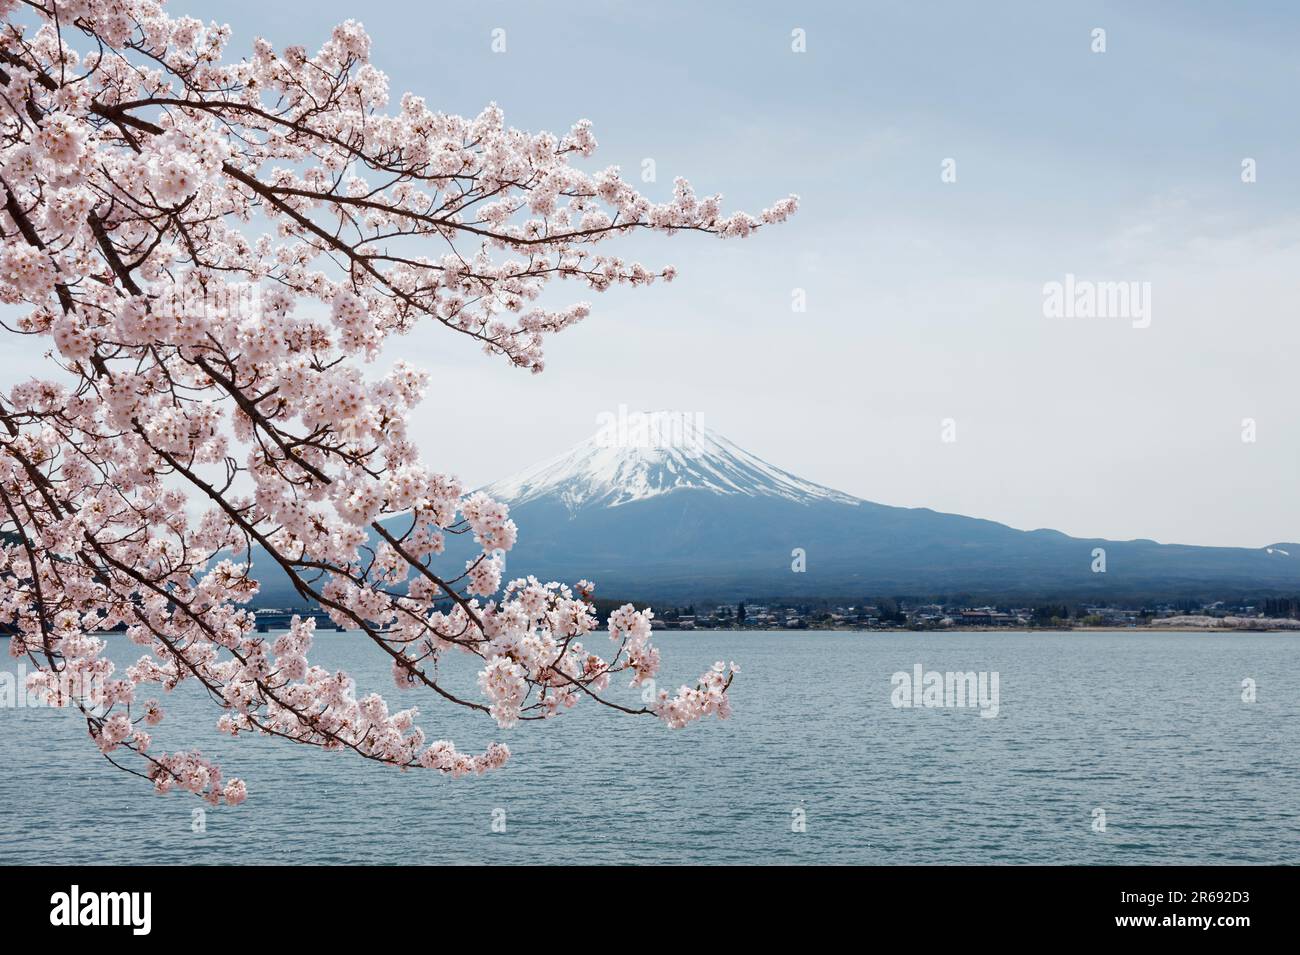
677, 512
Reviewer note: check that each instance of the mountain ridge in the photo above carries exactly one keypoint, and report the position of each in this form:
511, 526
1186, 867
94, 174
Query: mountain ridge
672, 511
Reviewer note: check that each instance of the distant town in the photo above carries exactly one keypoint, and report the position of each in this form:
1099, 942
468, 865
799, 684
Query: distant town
899, 614
903, 614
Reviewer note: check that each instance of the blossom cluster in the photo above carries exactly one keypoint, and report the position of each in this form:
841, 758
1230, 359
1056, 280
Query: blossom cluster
207, 411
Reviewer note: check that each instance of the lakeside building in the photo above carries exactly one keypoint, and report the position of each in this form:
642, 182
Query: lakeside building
895, 614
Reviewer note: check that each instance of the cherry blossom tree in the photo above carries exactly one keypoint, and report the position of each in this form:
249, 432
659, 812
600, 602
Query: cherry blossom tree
216, 250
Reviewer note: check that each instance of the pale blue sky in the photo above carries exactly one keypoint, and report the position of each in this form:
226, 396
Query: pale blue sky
924, 298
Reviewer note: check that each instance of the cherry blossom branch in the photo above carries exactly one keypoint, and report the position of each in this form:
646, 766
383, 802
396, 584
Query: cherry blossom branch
207, 412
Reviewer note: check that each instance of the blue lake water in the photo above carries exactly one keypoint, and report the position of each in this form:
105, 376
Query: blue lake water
1150, 728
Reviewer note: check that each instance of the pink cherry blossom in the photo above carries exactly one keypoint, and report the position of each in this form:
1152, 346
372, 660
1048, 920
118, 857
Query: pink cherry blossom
216, 248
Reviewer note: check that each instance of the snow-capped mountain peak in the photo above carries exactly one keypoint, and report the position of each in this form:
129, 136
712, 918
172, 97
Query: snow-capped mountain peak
639, 456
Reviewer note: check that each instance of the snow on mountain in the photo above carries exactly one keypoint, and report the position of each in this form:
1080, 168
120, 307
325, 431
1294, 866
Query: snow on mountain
655, 454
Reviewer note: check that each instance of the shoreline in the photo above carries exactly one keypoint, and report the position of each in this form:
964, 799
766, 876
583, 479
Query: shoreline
943, 630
